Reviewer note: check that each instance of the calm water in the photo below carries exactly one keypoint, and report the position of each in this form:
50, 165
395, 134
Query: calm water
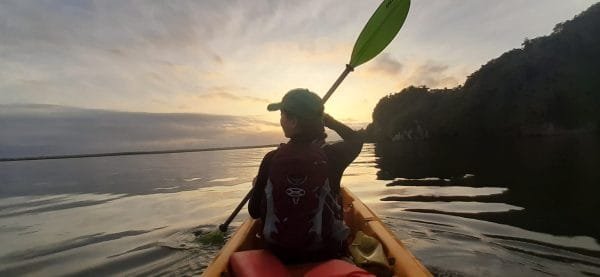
136, 215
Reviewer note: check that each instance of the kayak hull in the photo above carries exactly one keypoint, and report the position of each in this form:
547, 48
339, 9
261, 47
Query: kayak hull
356, 215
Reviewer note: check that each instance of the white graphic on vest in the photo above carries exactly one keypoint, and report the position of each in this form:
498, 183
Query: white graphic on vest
295, 192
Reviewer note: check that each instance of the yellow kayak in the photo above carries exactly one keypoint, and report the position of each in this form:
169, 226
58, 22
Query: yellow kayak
356, 215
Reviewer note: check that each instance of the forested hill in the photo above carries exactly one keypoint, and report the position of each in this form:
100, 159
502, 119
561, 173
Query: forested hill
550, 86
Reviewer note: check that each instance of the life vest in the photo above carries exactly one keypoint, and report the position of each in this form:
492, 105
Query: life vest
301, 210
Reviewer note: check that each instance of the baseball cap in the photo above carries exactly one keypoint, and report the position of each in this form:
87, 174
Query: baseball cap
300, 102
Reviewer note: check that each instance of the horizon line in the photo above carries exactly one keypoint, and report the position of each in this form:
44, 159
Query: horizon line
132, 153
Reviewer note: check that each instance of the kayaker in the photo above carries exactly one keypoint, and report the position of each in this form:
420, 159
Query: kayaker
297, 189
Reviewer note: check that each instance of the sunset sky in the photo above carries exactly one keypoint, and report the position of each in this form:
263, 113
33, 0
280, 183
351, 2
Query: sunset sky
234, 57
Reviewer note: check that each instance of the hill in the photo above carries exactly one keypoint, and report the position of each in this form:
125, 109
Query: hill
549, 86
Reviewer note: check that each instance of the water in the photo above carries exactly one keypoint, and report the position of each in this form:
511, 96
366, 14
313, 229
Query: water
136, 215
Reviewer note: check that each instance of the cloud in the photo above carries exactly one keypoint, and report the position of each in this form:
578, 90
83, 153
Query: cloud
386, 64
432, 74
160, 55
54, 130
234, 95
223, 92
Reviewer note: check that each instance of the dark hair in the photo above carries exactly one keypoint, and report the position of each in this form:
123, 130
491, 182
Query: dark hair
310, 129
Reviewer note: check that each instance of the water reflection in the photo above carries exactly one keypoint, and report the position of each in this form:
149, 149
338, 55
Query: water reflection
555, 180
130, 175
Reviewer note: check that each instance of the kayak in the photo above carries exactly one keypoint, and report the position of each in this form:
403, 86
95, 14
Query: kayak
247, 242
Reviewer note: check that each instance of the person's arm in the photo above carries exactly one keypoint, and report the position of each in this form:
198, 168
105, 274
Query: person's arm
350, 147
257, 194
345, 132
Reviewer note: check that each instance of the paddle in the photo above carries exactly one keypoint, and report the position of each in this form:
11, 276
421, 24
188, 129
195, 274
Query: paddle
380, 30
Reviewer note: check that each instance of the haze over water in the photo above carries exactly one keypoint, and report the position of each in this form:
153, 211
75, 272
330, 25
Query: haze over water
137, 214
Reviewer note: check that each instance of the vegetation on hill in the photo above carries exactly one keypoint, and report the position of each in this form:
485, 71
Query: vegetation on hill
550, 86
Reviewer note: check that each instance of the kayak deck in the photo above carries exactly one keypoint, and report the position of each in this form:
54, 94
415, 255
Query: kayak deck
356, 215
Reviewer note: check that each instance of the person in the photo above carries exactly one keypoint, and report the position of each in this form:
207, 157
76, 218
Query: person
296, 193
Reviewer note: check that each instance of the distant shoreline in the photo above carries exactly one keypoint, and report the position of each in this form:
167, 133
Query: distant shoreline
131, 153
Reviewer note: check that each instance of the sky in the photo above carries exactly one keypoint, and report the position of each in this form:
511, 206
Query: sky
234, 57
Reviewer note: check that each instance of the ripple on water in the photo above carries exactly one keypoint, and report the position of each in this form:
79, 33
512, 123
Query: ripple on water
224, 179
437, 220
446, 244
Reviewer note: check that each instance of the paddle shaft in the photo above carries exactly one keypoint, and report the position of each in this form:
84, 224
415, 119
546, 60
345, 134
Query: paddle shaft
223, 227
337, 83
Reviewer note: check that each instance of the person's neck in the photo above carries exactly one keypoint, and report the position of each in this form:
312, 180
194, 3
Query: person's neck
304, 139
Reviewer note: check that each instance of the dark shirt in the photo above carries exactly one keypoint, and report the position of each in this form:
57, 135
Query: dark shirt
339, 156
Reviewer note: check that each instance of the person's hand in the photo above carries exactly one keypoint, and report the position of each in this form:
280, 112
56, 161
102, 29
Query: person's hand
327, 120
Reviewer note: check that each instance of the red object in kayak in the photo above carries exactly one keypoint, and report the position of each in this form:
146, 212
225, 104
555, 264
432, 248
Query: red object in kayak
337, 268
256, 263
261, 263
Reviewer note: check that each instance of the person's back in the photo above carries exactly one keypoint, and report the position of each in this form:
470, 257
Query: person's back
296, 193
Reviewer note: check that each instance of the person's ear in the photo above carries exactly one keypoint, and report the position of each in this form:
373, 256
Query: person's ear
293, 122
